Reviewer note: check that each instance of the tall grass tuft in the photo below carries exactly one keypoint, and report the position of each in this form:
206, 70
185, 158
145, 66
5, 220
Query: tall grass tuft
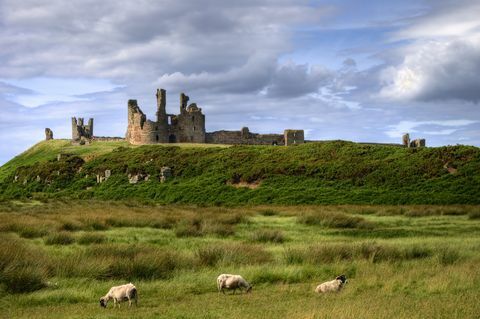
22, 269
333, 220
89, 238
268, 235
61, 238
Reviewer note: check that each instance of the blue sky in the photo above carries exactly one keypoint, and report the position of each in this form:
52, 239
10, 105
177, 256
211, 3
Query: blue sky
352, 70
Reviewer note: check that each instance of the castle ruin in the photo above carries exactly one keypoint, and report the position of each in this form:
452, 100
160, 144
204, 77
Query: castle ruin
48, 134
189, 127
82, 133
186, 127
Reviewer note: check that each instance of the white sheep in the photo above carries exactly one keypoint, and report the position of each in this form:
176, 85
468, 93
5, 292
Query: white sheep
119, 294
333, 285
228, 281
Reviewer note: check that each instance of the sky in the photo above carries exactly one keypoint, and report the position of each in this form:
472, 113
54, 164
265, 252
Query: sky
364, 71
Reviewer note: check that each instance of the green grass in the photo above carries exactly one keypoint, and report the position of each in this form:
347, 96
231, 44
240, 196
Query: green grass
334, 172
422, 265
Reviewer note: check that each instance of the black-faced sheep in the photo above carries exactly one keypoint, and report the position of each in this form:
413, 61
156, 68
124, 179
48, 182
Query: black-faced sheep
119, 294
227, 281
333, 285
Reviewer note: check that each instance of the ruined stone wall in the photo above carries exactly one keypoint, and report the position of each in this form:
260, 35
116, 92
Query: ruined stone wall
80, 130
243, 137
48, 134
293, 137
189, 125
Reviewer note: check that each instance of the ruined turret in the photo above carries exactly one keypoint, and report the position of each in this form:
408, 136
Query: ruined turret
293, 137
48, 134
406, 140
183, 102
80, 132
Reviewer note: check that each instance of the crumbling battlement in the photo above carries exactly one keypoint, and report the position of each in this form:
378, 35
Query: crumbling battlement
244, 137
188, 126
80, 131
406, 142
48, 134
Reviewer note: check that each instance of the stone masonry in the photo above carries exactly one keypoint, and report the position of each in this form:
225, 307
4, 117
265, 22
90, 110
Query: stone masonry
293, 137
186, 127
48, 134
80, 131
189, 127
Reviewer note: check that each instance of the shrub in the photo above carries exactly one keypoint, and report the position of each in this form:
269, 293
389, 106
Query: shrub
268, 235
89, 238
61, 238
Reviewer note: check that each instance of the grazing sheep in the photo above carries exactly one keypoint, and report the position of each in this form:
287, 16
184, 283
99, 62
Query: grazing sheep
119, 294
227, 281
332, 286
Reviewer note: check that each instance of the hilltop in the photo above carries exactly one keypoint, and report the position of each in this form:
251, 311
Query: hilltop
335, 172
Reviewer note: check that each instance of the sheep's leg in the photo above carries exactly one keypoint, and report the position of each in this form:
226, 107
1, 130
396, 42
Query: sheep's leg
129, 302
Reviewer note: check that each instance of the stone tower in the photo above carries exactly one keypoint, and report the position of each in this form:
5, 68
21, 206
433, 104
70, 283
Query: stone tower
189, 125
293, 137
48, 134
80, 131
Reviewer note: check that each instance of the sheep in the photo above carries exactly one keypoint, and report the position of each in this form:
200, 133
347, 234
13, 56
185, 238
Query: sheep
227, 281
119, 294
333, 285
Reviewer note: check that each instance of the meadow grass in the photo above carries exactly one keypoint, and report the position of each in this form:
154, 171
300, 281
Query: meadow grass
399, 265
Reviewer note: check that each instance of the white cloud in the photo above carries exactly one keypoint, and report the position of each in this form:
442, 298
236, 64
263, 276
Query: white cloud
397, 130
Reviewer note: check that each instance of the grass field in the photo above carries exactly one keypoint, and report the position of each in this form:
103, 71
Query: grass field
58, 258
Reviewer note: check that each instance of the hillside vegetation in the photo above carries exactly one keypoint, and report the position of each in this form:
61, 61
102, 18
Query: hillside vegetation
335, 172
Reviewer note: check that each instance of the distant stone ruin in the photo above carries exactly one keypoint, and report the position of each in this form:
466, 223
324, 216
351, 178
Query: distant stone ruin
293, 137
81, 133
186, 127
48, 134
406, 142
189, 127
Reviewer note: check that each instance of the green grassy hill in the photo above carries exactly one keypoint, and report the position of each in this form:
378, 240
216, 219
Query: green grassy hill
334, 172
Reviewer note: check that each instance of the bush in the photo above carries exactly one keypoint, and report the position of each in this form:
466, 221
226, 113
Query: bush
61, 238
89, 238
268, 235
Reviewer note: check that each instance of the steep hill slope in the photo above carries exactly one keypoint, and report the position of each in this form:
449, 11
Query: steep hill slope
328, 172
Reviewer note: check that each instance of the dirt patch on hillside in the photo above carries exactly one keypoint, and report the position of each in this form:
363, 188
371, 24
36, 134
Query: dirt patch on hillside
252, 185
